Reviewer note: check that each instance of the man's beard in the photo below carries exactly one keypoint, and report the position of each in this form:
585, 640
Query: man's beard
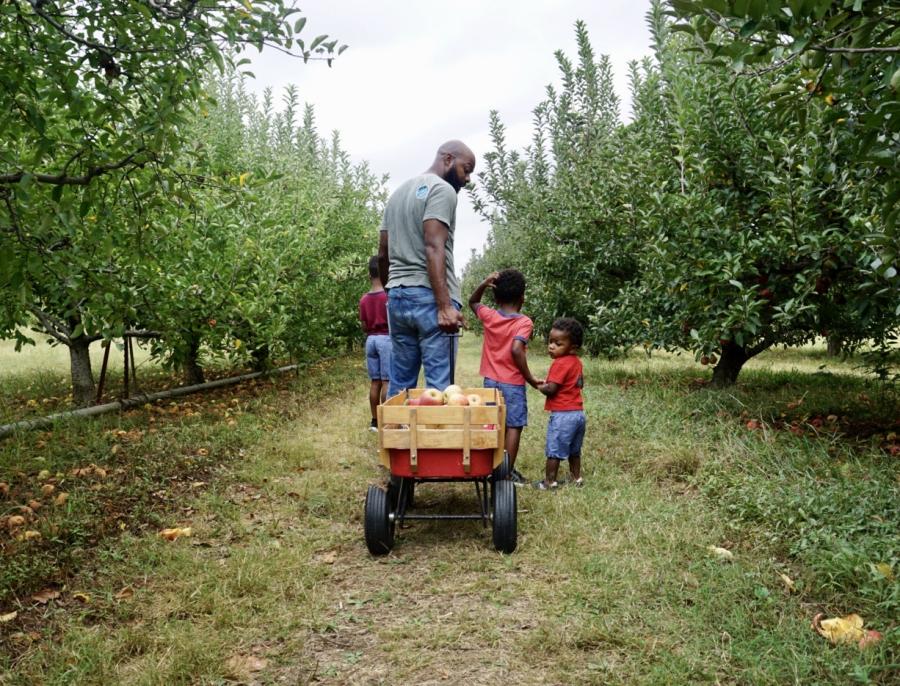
453, 179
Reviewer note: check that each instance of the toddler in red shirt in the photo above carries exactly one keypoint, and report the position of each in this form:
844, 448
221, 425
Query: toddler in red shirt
565, 431
504, 359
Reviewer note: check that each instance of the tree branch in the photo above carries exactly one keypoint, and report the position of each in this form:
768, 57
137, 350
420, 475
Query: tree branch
886, 49
52, 325
63, 179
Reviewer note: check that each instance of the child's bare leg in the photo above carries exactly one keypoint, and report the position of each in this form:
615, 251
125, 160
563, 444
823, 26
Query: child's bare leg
513, 436
551, 470
575, 467
384, 387
374, 396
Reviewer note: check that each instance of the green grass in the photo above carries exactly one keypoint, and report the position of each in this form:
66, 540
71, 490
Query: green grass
35, 380
611, 584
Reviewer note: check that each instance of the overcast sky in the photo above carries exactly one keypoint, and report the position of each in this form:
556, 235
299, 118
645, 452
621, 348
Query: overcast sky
419, 73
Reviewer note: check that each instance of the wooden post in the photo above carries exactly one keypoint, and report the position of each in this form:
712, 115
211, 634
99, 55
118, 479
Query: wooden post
106, 348
127, 393
133, 369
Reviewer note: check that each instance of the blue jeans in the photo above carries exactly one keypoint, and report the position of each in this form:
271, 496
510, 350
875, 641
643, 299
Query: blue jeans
565, 434
378, 357
416, 340
516, 403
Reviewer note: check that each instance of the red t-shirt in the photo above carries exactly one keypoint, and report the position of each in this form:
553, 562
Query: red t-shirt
567, 372
500, 330
373, 313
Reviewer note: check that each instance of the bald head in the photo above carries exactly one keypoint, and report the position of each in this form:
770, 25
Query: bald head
454, 162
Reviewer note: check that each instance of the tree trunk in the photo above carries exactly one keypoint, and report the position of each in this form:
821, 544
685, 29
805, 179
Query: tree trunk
193, 372
835, 346
729, 366
83, 390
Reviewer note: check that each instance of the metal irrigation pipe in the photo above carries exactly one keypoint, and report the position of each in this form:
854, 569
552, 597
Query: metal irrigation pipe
138, 400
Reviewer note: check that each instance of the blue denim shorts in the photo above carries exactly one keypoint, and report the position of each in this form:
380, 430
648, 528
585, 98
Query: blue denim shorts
516, 404
378, 357
565, 434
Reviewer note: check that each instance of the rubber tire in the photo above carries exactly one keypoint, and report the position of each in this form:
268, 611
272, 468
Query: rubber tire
503, 470
505, 514
379, 529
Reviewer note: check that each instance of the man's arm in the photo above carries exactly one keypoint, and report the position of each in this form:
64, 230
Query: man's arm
436, 232
383, 264
475, 298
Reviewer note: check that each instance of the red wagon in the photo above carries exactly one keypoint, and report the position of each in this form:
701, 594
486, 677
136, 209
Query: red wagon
442, 443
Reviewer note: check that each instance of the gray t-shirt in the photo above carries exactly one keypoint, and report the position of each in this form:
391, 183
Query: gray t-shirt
423, 197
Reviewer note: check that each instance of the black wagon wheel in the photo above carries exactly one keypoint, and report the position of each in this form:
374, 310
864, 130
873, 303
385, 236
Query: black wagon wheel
505, 527
502, 470
379, 529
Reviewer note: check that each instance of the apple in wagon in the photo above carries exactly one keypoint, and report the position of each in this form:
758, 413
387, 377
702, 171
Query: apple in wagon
431, 396
458, 399
475, 399
452, 389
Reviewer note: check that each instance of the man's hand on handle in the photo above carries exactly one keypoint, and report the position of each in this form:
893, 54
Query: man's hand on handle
450, 320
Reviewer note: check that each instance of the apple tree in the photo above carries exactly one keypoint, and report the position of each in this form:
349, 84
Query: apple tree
719, 220
267, 253
95, 98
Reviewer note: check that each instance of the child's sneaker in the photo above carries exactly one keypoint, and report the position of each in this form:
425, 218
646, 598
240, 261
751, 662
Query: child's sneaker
373, 426
577, 483
542, 485
517, 478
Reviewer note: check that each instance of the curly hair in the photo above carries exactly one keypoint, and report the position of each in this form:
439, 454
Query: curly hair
509, 286
572, 328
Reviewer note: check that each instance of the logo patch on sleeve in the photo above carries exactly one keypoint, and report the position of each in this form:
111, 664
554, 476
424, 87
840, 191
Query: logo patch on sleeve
422, 192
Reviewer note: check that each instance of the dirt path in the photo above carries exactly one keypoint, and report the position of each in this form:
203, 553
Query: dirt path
604, 588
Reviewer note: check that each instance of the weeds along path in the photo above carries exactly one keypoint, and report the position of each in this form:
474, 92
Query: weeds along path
611, 584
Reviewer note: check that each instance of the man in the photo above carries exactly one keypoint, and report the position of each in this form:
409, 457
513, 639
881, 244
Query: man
415, 261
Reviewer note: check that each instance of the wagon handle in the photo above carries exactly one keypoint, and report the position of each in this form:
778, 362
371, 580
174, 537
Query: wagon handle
450, 341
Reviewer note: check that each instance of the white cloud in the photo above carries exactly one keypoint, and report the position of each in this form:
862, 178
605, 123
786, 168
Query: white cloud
417, 74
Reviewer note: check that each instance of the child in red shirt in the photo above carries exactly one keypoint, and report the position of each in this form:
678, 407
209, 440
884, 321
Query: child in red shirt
504, 360
373, 318
565, 431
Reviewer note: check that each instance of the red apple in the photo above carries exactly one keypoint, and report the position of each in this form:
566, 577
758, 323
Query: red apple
431, 396
871, 638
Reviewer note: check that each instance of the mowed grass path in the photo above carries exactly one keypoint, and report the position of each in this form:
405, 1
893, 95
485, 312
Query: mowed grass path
611, 584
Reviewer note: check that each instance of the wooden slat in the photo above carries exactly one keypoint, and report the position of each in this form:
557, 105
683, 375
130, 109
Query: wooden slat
467, 440
442, 414
441, 438
383, 454
413, 440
